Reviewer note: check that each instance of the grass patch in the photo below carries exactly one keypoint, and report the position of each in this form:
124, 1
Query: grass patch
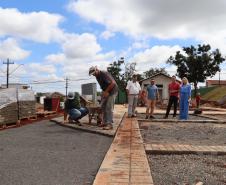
215, 94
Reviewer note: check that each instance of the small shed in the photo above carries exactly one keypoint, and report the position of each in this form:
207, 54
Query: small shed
52, 104
161, 81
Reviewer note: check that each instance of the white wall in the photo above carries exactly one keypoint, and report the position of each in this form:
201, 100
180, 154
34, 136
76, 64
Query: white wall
41, 101
160, 80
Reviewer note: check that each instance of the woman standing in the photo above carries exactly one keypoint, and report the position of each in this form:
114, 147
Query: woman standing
185, 97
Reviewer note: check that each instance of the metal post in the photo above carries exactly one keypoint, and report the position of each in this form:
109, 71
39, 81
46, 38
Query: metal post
66, 86
219, 78
18, 103
7, 72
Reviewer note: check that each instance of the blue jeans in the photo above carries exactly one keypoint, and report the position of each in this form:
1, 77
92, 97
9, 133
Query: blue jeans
76, 114
108, 107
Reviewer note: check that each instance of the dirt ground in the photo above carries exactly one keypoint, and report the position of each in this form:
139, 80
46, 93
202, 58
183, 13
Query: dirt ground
188, 169
191, 117
183, 133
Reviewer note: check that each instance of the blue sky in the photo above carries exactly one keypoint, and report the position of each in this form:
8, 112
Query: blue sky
58, 39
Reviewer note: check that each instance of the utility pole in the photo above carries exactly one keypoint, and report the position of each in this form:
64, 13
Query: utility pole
7, 73
219, 78
66, 86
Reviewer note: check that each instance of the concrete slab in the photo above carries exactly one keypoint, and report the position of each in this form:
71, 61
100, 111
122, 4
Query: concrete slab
184, 149
118, 115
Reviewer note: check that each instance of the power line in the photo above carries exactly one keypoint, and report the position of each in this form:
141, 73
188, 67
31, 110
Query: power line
15, 69
59, 81
81, 79
2, 71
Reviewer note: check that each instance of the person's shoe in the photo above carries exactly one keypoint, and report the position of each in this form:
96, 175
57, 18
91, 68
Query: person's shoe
165, 117
129, 116
108, 127
77, 122
102, 125
70, 120
134, 115
146, 117
151, 117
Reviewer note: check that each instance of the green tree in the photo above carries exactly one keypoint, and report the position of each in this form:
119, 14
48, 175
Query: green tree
197, 63
154, 71
115, 69
39, 94
139, 77
122, 76
130, 69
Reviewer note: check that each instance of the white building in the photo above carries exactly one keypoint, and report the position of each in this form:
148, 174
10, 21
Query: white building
161, 81
15, 85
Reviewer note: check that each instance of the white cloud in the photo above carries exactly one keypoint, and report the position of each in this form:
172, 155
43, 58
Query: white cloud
79, 52
202, 20
107, 35
55, 58
10, 48
81, 46
154, 57
39, 68
36, 26
139, 45
78, 67
29, 73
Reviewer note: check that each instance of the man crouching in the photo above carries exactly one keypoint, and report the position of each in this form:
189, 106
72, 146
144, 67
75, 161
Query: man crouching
73, 109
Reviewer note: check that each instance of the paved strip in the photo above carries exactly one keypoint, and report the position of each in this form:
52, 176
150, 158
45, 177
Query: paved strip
92, 128
125, 162
184, 149
45, 154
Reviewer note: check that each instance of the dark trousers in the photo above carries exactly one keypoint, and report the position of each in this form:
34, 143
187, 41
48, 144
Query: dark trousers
172, 101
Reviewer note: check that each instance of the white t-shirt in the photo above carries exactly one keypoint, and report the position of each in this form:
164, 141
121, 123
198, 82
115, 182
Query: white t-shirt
133, 87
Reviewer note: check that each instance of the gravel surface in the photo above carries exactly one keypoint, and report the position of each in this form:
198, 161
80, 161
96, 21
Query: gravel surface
47, 154
161, 116
188, 169
184, 133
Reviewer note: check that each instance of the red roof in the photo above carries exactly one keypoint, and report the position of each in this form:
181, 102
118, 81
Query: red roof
216, 82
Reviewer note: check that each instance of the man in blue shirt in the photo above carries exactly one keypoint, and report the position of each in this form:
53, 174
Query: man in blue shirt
152, 96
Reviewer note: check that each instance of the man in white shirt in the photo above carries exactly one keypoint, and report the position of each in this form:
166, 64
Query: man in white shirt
133, 91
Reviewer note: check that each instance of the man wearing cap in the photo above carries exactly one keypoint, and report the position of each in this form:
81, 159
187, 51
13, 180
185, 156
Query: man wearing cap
133, 90
73, 109
110, 90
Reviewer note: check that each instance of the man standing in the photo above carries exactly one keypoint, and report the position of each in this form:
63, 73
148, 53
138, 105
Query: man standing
73, 109
152, 96
110, 90
133, 91
173, 89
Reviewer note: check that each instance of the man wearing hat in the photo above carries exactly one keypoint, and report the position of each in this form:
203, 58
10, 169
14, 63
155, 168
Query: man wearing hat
73, 108
133, 90
110, 90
